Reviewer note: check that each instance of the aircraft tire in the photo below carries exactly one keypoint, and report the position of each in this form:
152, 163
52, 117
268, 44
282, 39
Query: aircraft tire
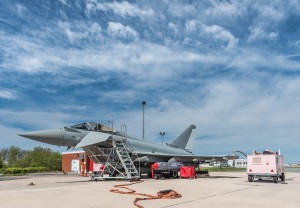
282, 177
167, 175
175, 174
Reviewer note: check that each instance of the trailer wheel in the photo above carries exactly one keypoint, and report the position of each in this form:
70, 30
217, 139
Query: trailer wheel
282, 177
250, 178
275, 179
167, 175
174, 174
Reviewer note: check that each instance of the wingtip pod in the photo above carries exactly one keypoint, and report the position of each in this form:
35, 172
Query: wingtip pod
186, 139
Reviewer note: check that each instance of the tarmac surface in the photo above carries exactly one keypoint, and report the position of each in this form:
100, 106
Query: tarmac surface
221, 189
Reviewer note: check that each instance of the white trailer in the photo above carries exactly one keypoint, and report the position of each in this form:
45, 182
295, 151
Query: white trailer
267, 164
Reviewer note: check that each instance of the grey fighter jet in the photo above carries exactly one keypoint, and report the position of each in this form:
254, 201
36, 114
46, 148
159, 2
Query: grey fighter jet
90, 134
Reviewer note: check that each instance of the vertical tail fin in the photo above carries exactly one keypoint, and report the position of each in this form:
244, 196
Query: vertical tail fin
186, 139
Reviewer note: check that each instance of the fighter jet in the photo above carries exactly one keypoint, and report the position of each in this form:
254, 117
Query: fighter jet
91, 134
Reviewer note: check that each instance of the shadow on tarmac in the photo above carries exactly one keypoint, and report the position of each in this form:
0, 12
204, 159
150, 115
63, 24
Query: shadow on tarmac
215, 177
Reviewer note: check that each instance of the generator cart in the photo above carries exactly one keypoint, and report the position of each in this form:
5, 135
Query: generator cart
268, 164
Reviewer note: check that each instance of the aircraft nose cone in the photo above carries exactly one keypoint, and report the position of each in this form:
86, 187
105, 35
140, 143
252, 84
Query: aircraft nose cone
52, 136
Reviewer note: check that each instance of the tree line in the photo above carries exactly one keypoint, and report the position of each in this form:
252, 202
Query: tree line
15, 157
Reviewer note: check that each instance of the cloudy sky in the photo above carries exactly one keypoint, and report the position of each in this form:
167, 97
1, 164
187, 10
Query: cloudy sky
232, 68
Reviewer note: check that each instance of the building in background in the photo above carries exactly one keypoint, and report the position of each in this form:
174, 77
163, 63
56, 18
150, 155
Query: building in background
77, 162
238, 163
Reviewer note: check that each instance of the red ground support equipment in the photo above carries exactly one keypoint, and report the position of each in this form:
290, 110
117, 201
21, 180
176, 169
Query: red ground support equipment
154, 167
187, 172
166, 169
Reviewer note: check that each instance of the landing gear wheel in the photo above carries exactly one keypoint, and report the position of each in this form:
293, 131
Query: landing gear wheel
167, 175
175, 174
250, 178
282, 177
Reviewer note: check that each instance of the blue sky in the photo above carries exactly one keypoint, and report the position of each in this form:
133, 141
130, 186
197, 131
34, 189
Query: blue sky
229, 67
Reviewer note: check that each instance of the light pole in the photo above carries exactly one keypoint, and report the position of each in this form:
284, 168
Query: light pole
162, 134
143, 106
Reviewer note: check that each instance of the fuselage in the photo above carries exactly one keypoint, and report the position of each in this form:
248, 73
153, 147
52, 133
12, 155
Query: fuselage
71, 136
141, 147
90, 134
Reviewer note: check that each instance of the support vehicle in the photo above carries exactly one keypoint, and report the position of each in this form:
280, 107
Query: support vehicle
268, 164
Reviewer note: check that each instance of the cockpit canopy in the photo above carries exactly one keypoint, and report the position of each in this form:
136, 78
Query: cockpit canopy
92, 126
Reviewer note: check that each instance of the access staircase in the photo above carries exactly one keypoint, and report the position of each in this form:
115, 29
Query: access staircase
125, 159
117, 158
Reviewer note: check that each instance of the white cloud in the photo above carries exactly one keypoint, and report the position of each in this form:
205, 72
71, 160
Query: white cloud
123, 9
226, 9
258, 33
30, 57
290, 88
141, 59
212, 33
63, 2
79, 30
272, 12
6, 94
50, 91
187, 41
294, 43
173, 27
192, 25
272, 35
181, 10
117, 29
219, 33
253, 59
21, 9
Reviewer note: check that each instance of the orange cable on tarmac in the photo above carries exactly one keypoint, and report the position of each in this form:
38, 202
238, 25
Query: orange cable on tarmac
166, 194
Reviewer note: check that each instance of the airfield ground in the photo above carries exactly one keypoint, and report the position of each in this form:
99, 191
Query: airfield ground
221, 189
